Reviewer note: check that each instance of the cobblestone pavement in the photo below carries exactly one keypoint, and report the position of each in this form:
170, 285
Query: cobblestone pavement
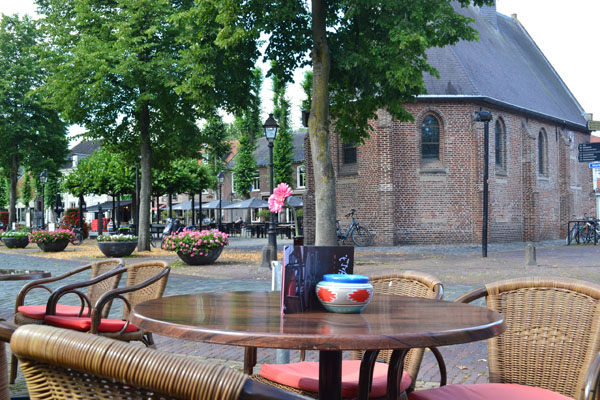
460, 267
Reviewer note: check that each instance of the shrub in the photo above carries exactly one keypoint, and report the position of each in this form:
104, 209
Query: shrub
15, 234
195, 243
116, 238
51, 236
264, 214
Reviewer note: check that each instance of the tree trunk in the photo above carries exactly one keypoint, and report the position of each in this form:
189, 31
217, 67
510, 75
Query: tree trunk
318, 128
14, 177
146, 186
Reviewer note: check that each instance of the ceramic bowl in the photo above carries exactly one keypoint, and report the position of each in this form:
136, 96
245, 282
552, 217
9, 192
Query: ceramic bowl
344, 293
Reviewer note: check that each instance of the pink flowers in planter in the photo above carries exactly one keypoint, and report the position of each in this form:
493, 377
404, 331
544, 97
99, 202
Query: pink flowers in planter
280, 193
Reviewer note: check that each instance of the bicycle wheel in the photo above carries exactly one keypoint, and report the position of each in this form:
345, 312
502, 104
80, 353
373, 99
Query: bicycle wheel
78, 238
571, 236
361, 236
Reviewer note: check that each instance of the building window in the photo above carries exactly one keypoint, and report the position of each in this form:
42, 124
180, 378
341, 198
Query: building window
542, 153
300, 176
500, 146
232, 183
349, 153
256, 184
430, 138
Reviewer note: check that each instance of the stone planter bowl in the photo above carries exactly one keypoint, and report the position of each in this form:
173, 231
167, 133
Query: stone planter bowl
16, 242
201, 260
54, 247
117, 249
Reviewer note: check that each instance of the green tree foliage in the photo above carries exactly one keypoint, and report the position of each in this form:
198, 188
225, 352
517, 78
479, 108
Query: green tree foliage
104, 172
4, 192
32, 134
245, 169
26, 190
307, 86
249, 124
283, 149
116, 69
365, 55
217, 147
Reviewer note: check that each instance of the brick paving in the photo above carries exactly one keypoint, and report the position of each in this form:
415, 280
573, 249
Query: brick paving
460, 267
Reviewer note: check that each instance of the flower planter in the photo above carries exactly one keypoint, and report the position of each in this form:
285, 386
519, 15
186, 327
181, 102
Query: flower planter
210, 258
54, 247
15, 242
117, 249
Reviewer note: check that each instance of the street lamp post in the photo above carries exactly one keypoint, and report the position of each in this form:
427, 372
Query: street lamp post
82, 207
270, 126
58, 208
220, 179
43, 180
485, 117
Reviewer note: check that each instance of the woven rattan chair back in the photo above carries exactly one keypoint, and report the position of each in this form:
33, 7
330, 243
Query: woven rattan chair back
98, 289
552, 332
138, 273
60, 364
407, 283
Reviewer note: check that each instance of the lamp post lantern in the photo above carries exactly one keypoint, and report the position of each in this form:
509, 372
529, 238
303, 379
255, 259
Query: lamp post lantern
220, 179
485, 117
43, 180
270, 126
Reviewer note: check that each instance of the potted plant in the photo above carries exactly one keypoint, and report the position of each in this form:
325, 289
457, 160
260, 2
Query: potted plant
15, 239
117, 245
197, 247
264, 215
52, 241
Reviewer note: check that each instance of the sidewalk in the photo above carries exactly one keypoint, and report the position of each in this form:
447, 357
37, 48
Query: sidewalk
460, 267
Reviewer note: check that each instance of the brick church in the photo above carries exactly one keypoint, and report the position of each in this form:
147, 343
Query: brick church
422, 181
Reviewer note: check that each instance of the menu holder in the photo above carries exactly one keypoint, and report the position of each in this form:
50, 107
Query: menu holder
304, 267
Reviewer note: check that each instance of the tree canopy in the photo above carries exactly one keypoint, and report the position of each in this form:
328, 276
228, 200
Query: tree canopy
365, 56
115, 68
283, 149
31, 132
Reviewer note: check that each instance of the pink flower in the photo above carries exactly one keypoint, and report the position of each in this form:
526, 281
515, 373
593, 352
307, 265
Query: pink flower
276, 200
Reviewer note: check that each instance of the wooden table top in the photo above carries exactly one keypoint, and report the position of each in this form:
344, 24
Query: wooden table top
22, 274
253, 319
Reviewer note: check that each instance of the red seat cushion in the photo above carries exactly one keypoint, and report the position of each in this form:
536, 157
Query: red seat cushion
39, 312
486, 391
305, 376
85, 323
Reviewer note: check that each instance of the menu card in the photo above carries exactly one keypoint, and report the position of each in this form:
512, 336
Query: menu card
304, 267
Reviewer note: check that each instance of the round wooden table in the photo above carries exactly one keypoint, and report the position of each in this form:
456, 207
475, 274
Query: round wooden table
253, 319
13, 275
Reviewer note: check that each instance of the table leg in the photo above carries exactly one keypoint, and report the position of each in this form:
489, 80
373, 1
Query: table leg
330, 375
4, 392
395, 371
365, 379
249, 360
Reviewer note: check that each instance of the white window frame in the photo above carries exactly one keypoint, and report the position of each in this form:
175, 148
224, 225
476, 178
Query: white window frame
300, 176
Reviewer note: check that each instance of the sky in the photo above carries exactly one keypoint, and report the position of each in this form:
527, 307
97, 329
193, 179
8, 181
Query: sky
567, 33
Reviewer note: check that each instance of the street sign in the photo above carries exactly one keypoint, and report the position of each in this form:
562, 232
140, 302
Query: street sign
593, 125
595, 165
589, 147
588, 157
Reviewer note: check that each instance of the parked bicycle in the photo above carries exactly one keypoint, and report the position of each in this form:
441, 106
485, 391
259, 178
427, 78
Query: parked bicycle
76, 230
583, 231
360, 235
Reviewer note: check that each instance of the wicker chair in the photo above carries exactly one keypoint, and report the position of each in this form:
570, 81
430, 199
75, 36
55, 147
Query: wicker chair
549, 349
59, 364
145, 281
407, 283
34, 314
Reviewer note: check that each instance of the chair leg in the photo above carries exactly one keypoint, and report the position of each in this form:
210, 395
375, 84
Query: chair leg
148, 340
14, 362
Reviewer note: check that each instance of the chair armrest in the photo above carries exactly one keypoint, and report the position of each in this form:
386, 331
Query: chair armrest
591, 389
441, 365
118, 293
72, 288
41, 284
472, 295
